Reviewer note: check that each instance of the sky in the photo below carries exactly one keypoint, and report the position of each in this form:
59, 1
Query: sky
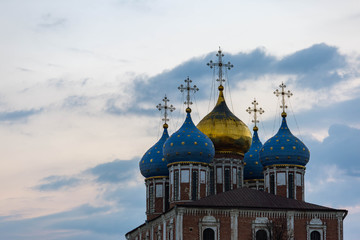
79, 82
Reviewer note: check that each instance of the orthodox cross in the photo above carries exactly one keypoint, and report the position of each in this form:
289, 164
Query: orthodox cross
171, 108
256, 111
220, 65
188, 88
283, 94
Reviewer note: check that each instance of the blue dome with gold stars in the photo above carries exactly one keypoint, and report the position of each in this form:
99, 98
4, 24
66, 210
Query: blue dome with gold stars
188, 144
253, 167
284, 148
153, 163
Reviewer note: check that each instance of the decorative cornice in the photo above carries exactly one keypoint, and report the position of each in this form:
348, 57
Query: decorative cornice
156, 177
285, 165
187, 163
254, 180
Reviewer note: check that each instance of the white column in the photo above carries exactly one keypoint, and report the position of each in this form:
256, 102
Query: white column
290, 225
164, 228
234, 225
179, 226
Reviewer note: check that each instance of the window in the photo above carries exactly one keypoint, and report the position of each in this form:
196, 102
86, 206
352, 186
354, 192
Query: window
227, 179
176, 185
209, 227
272, 183
261, 235
219, 175
240, 178
316, 229
315, 235
234, 176
208, 234
167, 197
194, 186
212, 182
151, 199
291, 185
185, 176
298, 180
159, 190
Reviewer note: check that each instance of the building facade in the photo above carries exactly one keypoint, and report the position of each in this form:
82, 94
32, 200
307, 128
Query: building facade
217, 181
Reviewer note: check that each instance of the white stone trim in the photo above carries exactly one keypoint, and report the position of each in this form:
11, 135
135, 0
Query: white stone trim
209, 222
260, 223
316, 225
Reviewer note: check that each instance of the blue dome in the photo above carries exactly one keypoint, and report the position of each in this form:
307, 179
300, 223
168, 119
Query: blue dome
153, 163
188, 144
284, 148
253, 167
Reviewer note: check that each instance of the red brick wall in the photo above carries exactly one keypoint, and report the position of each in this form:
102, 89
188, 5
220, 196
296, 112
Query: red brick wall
184, 191
219, 188
281, 190
331, 229
245, 228
299, 195
202, 190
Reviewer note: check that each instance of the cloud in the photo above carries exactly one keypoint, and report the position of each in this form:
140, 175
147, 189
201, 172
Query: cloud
75, 101
317, 57
54, 183
49, 21
117, 171
12, 116
318, 67
120, 204
341, 148
82, 222
23, 69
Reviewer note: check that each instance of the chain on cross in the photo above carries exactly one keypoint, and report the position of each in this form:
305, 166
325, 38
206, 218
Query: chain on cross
189, 89
166, 108
220, 65
283, 94
256, 111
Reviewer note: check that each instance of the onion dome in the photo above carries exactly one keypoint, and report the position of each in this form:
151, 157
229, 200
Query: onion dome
188, 144
228, 133
153, 163
253, 167
284, 148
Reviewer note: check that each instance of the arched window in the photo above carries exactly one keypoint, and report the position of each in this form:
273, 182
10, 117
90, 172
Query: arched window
208, 234
315, 235
261, 235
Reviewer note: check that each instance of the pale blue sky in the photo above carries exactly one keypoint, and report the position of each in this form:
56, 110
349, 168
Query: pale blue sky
80, 81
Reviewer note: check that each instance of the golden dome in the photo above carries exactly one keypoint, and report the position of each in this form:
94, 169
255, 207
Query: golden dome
228, 133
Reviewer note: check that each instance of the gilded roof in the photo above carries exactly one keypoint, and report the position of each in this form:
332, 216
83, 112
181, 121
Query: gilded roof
228, 133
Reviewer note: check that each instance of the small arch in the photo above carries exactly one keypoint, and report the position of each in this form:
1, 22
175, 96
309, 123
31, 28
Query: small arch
208, 234
209, 219
315, 235
261, 235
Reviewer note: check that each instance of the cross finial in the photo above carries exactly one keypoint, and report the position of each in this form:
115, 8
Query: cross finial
166, 108
283, 94
188, 88
220, 65
256, 111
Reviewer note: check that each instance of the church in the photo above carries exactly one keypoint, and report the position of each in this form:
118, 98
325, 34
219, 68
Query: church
215, 180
